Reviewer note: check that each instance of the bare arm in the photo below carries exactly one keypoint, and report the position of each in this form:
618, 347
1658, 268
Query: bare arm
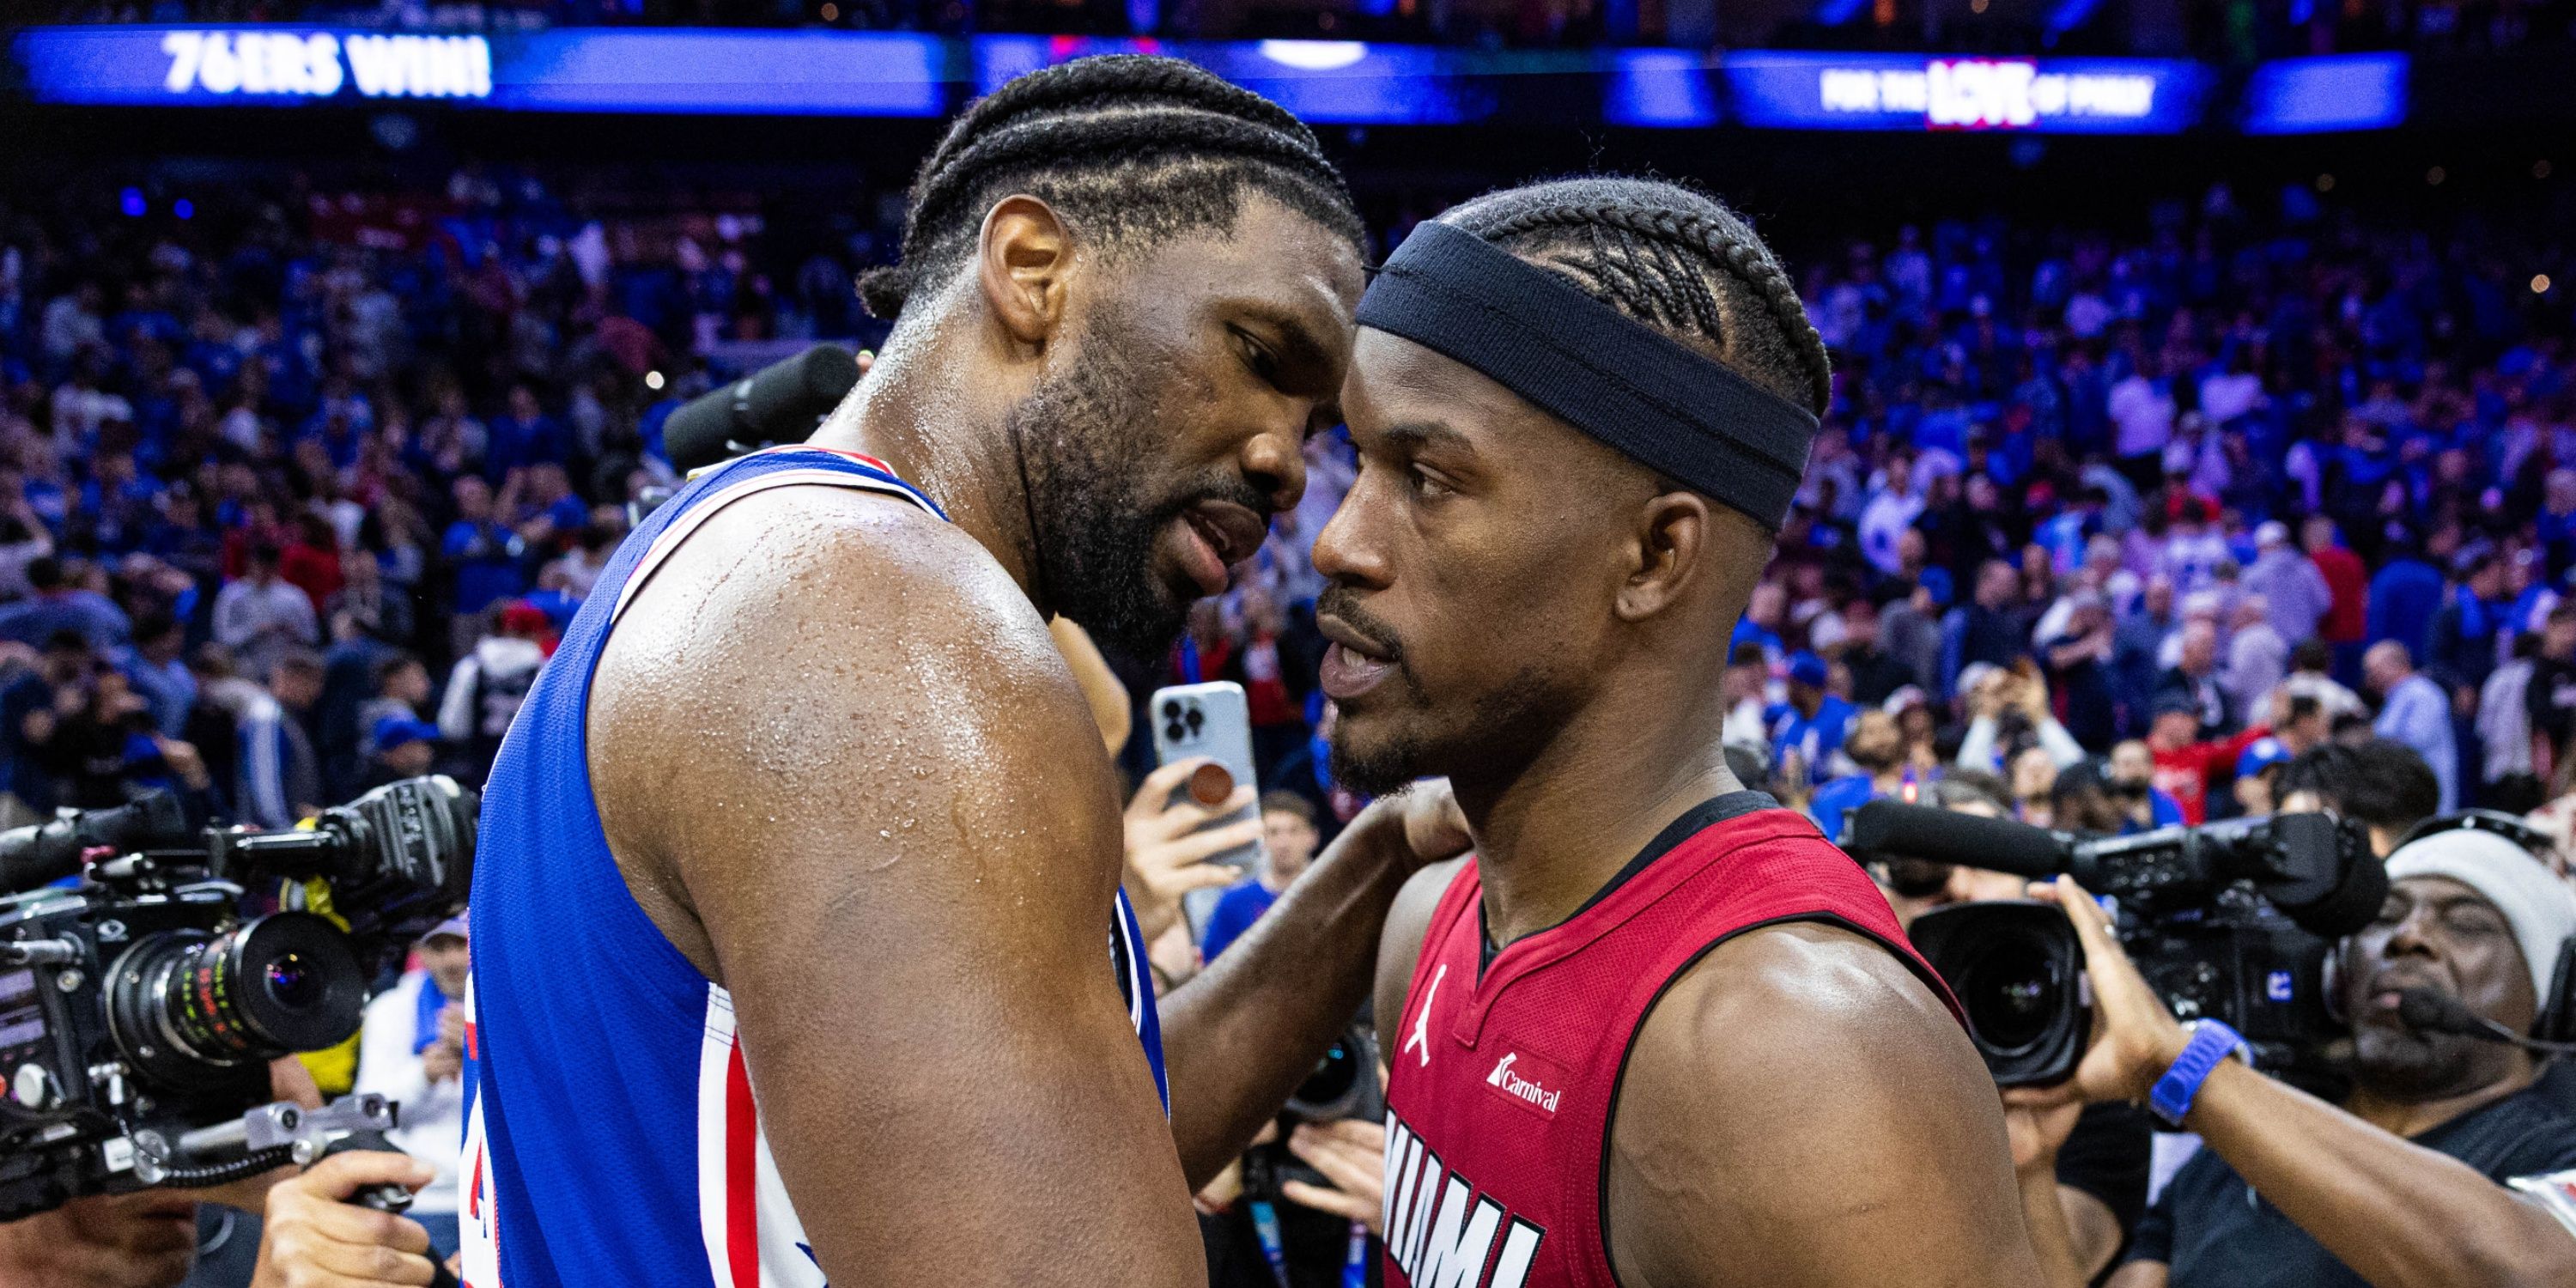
2397, 1213
882, 819
1800, 1111
1240, 1035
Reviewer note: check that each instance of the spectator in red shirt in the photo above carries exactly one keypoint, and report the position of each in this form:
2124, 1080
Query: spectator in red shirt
2349, 585
311, 563
2185, 767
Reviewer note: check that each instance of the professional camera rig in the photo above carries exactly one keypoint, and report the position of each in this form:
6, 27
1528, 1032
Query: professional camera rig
2230, 920
139, 1008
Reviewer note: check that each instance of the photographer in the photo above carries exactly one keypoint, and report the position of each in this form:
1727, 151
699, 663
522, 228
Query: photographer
2404, 1185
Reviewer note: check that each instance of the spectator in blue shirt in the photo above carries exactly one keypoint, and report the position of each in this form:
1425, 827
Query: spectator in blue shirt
1289, 833
1812, 722
2404, 597
57, 606
485, 554
524, 437
1877, 748
2414, 714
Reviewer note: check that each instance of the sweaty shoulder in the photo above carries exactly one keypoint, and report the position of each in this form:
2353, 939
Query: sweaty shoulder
840, 665
1798, 1108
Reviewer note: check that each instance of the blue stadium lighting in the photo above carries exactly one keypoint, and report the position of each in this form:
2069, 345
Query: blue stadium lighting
184, 208
131, 202
2319, 95
1834, 13
1329, 82
1314, 55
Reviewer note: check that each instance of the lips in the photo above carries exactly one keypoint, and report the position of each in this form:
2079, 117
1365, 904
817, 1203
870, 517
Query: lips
1352, 664
1219, 535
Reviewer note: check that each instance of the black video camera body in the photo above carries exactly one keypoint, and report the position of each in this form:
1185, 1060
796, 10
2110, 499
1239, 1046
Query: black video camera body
2230, 921
139, 1009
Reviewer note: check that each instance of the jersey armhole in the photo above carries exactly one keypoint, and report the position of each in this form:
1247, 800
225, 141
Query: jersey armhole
1619, 1078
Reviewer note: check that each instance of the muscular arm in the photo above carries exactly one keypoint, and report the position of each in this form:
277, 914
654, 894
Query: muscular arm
1800, 1111
843, 768
1240, 1035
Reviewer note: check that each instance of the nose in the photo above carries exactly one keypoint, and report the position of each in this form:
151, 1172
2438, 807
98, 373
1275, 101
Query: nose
1344, 551
1275, 460
2411, 937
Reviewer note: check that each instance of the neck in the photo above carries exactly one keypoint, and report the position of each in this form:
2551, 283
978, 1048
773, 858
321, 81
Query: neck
2415, 1117
929, 410
1552, 830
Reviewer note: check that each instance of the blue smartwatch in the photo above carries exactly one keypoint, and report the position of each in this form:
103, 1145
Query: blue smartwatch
2211, 1042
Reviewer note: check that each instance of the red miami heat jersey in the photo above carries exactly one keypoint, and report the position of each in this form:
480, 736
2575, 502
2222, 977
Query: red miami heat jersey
1504, 1072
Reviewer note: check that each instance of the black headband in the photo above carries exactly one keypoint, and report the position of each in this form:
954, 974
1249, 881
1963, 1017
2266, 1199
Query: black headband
1585, 363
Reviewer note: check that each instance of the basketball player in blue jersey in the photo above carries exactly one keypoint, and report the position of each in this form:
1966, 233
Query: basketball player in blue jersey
798, 947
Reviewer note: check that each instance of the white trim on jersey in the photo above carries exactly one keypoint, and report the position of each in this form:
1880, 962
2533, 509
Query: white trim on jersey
753, 1236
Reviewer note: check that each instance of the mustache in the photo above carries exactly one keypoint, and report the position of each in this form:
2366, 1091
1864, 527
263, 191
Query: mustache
1343, 603
1221, 486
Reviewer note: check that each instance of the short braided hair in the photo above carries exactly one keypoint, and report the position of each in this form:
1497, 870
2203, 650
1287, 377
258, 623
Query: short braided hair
1674, 259
1123, 146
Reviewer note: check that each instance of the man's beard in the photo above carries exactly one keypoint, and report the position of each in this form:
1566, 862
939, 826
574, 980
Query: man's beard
1503, 732
2411, 1066
1081, 438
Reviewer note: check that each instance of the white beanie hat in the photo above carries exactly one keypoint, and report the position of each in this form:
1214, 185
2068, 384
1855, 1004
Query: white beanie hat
2540, 907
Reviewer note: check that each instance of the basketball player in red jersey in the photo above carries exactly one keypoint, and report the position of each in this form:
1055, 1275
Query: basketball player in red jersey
1657, 1032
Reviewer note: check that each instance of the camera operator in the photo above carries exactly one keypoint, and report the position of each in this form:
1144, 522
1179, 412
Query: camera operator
2402, 1186
2087, 1164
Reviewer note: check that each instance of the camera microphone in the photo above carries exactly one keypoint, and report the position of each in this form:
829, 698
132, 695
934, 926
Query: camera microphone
2430, 1010
1884, 827
780, 403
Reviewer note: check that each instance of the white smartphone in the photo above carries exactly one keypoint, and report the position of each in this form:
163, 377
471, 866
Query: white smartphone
1211, 720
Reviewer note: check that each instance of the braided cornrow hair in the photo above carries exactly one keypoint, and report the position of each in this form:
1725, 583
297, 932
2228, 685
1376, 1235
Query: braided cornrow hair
1124, 146
1671, 258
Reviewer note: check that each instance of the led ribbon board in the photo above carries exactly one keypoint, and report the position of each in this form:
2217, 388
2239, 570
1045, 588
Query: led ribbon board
1913, 92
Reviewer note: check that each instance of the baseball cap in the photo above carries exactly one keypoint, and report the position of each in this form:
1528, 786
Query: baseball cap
524, 618
2260, 755
2272, 533
2176, 701
1807, 668
453, 926
394, 731
1937, 581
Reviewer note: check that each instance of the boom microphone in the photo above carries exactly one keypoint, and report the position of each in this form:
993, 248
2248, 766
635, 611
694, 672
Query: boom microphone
2430, 1010
780, 403
1948, 836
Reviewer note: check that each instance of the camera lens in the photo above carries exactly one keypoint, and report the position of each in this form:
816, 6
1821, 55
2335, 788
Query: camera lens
2010, 993
281, 983
294, 985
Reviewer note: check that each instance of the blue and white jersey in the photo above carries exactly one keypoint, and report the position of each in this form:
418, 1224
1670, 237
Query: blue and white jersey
612, 1138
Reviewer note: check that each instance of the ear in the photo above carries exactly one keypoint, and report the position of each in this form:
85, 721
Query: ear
1675, 535
1022, 257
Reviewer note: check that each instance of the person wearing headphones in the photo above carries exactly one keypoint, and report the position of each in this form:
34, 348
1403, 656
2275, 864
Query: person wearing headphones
2444, 1166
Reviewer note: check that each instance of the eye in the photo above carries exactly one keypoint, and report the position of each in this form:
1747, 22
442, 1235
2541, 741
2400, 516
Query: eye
1428, 484
1257, 356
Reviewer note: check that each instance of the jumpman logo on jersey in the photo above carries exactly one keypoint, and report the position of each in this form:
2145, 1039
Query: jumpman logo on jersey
1421, 1039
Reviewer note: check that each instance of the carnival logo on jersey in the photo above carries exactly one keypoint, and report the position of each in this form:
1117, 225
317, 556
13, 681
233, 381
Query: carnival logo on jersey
1524, 1089
1440, 1233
